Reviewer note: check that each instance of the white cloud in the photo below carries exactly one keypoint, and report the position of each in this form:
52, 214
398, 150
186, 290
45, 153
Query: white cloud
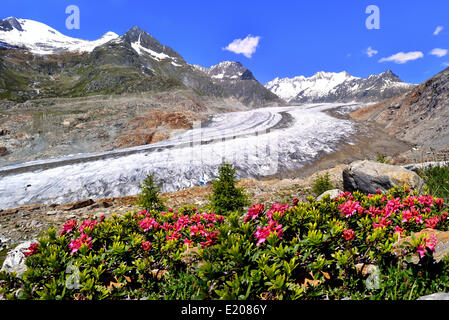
246, 46
439, 52
438, 30
371, 52
445, 64
402, 57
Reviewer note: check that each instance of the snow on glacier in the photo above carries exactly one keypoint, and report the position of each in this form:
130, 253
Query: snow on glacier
259, 142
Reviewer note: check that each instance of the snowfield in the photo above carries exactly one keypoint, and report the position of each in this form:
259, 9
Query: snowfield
41, 39
258, 143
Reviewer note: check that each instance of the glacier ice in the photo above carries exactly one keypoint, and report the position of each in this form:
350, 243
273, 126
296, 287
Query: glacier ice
258, 143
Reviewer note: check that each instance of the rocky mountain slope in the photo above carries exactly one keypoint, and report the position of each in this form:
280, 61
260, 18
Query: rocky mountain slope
36, 61
338, 87
419, 116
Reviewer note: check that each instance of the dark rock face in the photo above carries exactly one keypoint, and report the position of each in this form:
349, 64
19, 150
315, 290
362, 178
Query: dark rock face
368, 177
3, 151
10, 23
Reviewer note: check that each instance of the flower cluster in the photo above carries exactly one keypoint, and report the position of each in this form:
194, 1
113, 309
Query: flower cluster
76, 244
32, 249
68, 227
199, 227
271, 226
428, 244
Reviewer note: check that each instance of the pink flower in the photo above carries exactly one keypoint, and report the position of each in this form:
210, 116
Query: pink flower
87, 224
277, 208
426, 200
421, 250
188, 242
439, 202
428, 244
32, 249
350, 208
432, 222
75, 244
383, 222
147, 223
68, 227
254, 212
400, 231
263, 233
349, 235
146, 245
431, 243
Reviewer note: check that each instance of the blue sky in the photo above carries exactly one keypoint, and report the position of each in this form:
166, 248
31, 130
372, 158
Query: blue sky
296, 37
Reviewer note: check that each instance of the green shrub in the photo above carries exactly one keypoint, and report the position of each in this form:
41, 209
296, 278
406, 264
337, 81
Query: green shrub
309, 251
321, 184
226, 197
148, 198
437, 179
381, 158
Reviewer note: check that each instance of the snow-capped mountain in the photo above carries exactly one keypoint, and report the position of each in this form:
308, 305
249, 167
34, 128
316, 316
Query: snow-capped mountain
134, 62
228, 70
39, 38
338, 87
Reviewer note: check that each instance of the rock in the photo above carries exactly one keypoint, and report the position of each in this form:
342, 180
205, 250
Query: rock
332, 193
15, 259
441, 249
425, 165
368, 176
436, 296
78, 205
3, 243
3, 152
373, 273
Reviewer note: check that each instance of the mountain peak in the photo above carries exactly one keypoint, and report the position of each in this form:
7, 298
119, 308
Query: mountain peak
9, 24
230, 70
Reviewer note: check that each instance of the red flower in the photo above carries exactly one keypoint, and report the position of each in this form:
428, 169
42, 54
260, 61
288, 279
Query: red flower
146, 246
32, 249
295, 201
349, 235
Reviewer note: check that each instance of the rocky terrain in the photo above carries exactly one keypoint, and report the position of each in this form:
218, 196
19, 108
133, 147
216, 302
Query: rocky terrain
418, 117
338, 87
47, 128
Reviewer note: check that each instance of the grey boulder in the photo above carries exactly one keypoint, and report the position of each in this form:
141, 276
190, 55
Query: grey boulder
15, 259
369, 176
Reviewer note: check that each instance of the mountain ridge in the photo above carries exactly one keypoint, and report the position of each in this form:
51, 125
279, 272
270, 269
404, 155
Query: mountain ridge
134, 62
338, 87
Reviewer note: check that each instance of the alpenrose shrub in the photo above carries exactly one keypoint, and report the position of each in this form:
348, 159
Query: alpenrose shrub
312, 250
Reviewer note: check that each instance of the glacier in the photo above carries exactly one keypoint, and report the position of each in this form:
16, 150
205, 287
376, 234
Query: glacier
259, 142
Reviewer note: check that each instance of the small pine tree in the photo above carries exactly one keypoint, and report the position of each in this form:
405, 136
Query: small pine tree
148, 198
226, 197
321, 184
